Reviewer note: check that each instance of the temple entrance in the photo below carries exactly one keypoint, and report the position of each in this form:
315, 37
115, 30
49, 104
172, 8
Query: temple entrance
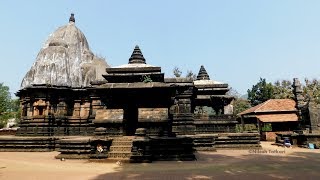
131, 119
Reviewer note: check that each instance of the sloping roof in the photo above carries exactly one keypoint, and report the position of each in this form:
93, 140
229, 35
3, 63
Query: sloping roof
278, 117
272, 105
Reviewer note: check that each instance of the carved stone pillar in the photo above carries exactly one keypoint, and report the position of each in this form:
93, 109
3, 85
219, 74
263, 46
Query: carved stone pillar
297, 91
182, 123
61, 108
96, 104
27, 111
76, 108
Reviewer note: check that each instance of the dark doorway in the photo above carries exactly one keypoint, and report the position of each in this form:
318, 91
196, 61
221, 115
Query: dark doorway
131, 119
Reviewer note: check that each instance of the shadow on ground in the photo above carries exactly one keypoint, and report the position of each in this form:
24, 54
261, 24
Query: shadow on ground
298, 165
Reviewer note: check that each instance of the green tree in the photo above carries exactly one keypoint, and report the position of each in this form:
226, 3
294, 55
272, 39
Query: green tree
5, 104
15, 109
260, 92
239, 104
177, 72
283, 90
312, 89
5, 98
191, 75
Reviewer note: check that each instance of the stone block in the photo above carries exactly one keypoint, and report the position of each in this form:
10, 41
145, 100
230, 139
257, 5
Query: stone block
153, 113
109, 114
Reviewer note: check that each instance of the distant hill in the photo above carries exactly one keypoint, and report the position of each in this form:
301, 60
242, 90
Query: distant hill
245, 96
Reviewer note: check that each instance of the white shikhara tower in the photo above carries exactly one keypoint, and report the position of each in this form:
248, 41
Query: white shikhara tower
65, 60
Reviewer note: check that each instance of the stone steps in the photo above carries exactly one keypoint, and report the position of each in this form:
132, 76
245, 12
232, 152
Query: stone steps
120, 148
119, 155
121, 143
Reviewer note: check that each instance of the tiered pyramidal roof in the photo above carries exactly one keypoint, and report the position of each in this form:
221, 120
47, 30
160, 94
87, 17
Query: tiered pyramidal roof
136, 56
203, 75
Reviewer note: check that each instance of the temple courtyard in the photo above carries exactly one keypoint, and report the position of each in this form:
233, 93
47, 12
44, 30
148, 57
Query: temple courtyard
270, 162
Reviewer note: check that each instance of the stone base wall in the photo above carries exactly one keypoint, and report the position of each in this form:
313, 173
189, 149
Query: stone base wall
207, 124
4, 132
51, 126
272, 136
83, 148
27, 144
172, 148
211, 142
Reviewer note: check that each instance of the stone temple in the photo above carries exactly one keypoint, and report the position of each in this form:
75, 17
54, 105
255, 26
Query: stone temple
73, 102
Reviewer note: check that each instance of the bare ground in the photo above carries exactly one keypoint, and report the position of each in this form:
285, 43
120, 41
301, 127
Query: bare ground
278, 163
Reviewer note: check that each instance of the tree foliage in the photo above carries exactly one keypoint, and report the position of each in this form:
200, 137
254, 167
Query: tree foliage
5, 98
191, 75
283, 90
177, 72
312, 89
239, 104
9, 108
260, 92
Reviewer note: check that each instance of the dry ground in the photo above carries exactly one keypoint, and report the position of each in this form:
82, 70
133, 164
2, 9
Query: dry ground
283, 163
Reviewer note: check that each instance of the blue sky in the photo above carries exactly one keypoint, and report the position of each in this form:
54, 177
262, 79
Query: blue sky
237, 41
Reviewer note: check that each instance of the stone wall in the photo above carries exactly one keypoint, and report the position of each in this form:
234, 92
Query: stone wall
314, 112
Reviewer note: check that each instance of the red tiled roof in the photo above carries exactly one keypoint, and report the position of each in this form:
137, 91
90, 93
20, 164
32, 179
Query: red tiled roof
278, 117
272, 105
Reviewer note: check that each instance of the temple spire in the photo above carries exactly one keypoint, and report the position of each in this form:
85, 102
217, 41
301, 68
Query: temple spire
137, 57
72, 19
203, 75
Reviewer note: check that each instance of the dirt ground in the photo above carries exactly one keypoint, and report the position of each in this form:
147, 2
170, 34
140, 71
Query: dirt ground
270, 162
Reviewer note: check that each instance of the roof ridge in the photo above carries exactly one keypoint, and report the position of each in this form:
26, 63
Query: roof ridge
263, 104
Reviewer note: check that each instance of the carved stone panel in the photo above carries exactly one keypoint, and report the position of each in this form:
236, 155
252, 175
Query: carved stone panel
153, 113
109, 114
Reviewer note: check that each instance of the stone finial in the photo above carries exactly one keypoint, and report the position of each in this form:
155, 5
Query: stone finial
203, 75
299, 99
137, 57
72, 19
296, 86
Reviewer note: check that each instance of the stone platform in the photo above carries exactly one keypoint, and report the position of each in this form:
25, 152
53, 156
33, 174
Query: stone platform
27, 144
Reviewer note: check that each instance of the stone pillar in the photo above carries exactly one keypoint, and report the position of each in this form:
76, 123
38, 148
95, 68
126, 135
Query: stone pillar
242, 124
297, 91
47, 109
182, 123
25, 117
85, 109
62, 108
76, 108
96, 104
27, 107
